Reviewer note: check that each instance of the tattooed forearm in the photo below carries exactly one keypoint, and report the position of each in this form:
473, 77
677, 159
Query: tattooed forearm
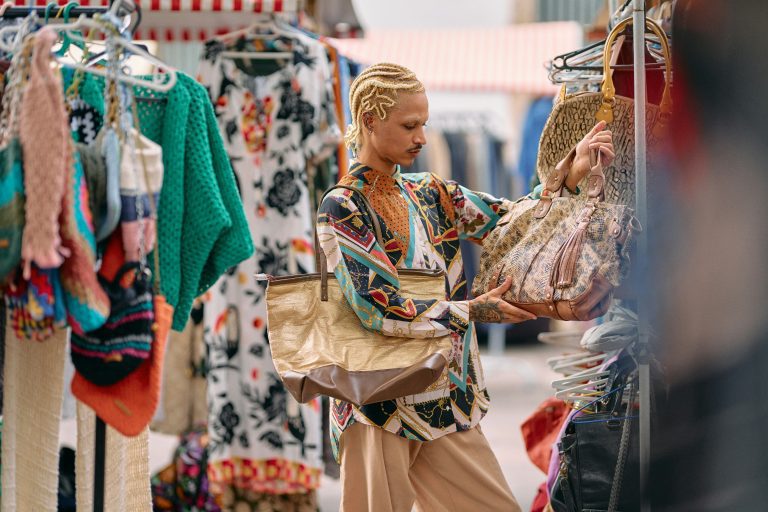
485, 311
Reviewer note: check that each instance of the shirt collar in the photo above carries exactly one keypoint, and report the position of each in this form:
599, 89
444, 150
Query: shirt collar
359, 170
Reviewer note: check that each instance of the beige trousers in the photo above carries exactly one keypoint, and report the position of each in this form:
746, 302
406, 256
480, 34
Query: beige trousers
382, 472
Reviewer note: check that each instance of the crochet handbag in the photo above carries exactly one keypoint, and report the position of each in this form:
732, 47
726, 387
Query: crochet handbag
11, 207
11, 170
564, 255
112, 352
574, 116
107, 355
319, 345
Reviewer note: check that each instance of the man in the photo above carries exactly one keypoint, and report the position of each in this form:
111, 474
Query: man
428, 448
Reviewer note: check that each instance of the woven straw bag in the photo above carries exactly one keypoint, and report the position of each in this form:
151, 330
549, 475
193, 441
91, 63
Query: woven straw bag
565, 256
319, 345
574, 116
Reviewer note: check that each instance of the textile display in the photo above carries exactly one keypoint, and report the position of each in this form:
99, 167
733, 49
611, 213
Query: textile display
31, 419
126, 467
183, 404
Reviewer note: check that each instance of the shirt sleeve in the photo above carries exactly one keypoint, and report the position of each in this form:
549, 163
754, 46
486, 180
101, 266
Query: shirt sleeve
370, 282
475, 214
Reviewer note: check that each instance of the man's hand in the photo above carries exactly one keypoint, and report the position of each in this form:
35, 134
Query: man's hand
491, 308
598, 139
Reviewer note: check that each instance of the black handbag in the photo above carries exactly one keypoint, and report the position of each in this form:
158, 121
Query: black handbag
595, 469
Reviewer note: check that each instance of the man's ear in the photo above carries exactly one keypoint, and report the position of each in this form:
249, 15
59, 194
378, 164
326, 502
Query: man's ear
368, 121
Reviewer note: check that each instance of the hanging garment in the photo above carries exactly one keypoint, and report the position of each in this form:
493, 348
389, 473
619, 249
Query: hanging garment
126, 467
183, 403
182, 486
439, 155
31, 419
201, 228
535, 119
261, 440
458, 147
541, 429
44, 137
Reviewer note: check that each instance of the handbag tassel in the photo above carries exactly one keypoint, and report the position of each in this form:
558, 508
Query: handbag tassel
564, 265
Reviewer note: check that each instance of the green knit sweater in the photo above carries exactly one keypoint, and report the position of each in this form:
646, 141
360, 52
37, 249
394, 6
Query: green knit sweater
202, 230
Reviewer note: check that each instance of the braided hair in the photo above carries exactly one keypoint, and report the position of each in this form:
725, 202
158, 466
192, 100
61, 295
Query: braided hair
375, 90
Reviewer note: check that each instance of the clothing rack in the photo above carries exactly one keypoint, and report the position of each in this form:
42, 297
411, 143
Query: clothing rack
120, 8
643, 355
124, 8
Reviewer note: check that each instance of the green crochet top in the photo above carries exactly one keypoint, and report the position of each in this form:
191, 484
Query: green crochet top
202, 230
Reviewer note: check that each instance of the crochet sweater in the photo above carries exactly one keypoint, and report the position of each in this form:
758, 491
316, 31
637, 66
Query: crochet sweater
202, 230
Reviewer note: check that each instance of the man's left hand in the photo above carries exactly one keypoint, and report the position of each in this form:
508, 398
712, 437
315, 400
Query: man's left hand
598, 139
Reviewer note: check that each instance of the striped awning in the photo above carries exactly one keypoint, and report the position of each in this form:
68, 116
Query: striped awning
257, 6
189, 20
509, 59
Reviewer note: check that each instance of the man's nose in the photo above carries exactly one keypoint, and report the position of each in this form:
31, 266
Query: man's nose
419, 137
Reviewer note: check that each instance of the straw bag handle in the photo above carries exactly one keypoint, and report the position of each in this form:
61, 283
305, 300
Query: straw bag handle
320, 259
605, 113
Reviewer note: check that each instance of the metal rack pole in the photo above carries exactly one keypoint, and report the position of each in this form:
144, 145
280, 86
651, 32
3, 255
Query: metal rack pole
641, 204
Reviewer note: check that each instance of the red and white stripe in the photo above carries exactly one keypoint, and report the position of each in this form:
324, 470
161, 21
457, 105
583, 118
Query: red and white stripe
508, 58
257, 6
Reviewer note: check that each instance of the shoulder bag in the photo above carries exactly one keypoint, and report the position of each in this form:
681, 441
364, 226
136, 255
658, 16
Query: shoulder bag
319, 346
575, 115
565, 256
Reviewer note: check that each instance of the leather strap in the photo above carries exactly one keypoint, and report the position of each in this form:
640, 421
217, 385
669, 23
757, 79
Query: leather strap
596, 179
563, 270
565, 485
553, 187
320, 259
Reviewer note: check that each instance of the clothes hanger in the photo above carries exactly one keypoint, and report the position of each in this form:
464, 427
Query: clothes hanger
163, 80
571, 367
578, 392
252, 32
585, 377
595, 401
585, 66
576, 359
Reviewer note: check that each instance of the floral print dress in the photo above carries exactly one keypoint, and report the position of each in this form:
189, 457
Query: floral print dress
261, 439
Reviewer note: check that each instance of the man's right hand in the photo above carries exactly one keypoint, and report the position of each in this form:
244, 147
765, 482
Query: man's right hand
491, 308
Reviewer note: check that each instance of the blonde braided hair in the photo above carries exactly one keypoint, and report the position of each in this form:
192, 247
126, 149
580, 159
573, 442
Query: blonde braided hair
375, 90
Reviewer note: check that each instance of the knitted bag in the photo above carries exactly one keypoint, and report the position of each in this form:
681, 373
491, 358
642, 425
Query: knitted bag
11, 207
109, 354
35, 305
100, 161
87, 304
11, 171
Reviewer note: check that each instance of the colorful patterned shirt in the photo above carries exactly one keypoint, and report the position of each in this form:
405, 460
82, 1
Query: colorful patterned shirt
423, 217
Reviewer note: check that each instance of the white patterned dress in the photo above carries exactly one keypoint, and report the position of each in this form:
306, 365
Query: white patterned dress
261, 440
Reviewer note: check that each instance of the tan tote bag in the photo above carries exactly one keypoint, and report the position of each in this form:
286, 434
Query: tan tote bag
319, 346
574, 116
